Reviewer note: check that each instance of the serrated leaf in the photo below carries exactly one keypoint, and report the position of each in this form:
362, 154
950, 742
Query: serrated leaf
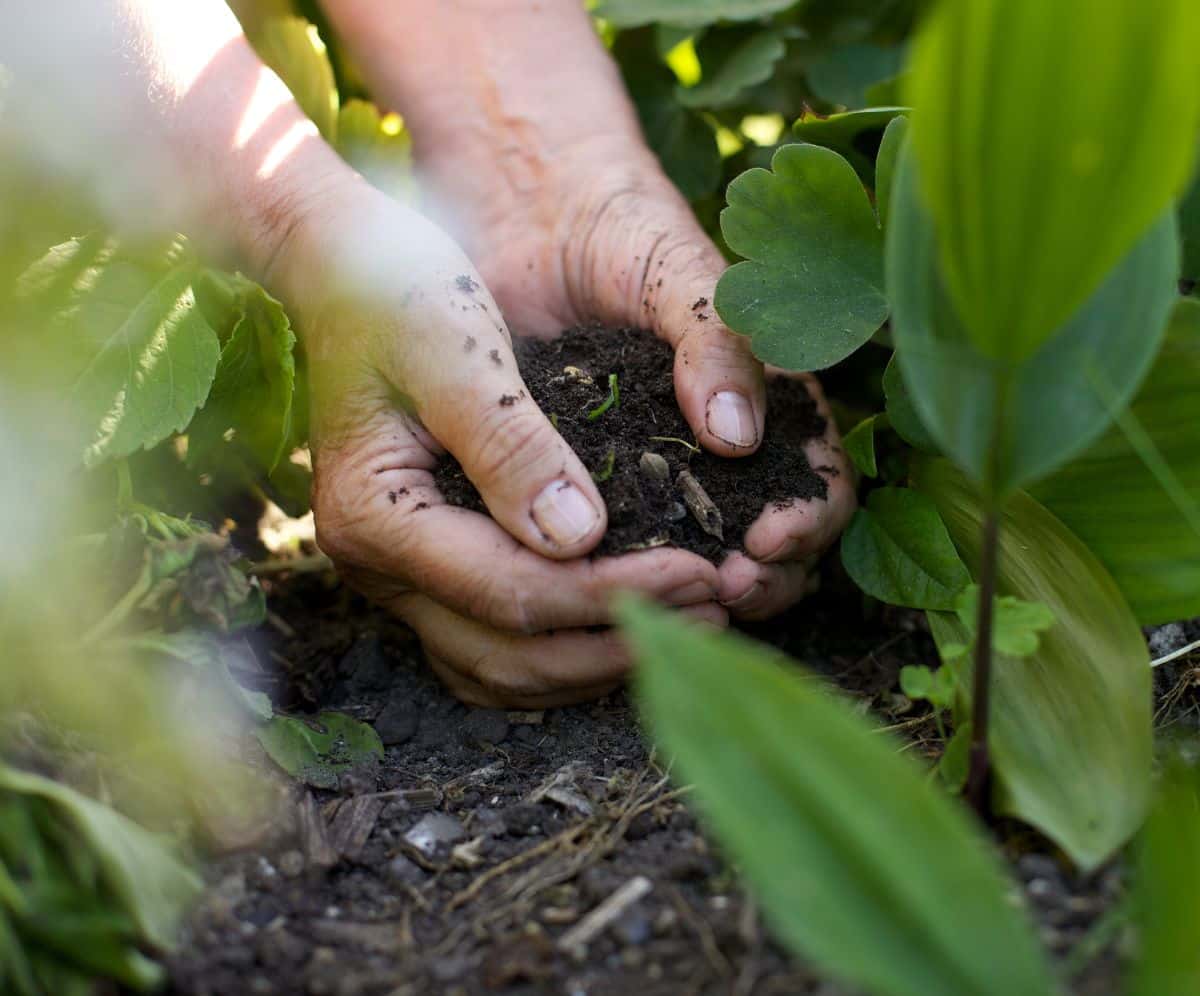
254, 387
897, 550
317, 750
683, 141
859, 443
293, 48
138, 354
1166, 882
1071, 725
1008, 424
1017, 625
1145, 534
810, 291
854, 135
854, 855
685, 13
732, 61
1034, 205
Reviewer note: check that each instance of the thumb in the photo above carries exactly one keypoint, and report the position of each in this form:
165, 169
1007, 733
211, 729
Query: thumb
473, 401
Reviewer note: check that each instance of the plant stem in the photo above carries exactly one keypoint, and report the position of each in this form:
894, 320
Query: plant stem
979, 770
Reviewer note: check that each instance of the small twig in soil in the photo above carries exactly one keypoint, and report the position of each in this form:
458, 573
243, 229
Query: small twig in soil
1176, 654
708, 941
300, 565
597, 921
612, 401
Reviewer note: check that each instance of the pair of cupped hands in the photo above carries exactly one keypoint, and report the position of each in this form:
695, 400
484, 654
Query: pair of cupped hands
563, 216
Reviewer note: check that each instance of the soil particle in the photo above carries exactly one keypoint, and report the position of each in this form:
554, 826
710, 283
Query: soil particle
569, 379
507, 400
485, 726
699, 303
469, 344
465, 284
494, 356
397, 723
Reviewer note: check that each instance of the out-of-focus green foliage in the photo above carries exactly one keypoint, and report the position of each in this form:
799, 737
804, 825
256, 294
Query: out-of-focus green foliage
857, 859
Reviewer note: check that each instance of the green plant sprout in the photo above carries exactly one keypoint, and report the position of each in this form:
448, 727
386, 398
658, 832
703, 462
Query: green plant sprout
605, 470
692, 448
612, 401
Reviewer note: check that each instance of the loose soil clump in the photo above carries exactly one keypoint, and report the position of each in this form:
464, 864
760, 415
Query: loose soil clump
611, 394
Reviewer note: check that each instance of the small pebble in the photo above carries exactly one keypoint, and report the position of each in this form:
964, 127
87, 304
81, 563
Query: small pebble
434, 831
487, 726
291, 863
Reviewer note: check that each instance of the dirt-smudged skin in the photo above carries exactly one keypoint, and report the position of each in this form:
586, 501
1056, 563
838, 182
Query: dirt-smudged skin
568, 378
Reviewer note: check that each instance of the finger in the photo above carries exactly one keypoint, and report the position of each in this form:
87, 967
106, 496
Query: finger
805, 527
753, 591
383, 520
508, 668
647, 262
436, 336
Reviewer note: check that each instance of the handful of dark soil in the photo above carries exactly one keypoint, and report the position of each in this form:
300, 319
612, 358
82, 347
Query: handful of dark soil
612, 396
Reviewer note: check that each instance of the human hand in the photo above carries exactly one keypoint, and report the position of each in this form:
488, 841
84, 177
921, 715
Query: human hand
409, 354
570, 219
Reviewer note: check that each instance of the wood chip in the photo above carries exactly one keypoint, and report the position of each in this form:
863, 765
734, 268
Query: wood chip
576, 940
703, 510
314, 835
352, 826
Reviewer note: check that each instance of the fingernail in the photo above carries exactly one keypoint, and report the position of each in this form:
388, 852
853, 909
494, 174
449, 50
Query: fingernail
748, 600
731, 417
690, 594
564, 514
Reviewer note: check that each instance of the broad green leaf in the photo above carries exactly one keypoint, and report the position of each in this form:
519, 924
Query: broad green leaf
1121, 510
1071, 725
860, 445
138, 355
294, 49
1189, 231
1166, 890
854, 135
885, 165
1017, 625
317, 750
1010, 424
811, 289
151, 884
684, 142
855, 856
733, 61
204, 651
844, 74
1051, 138
897, 550
251, 400
901, 413
685, 13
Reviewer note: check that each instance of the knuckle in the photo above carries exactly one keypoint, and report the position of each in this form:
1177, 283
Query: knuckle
509, 445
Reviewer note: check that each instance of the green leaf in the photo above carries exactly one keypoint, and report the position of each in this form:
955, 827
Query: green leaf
854, 854
897, 550
1165, 886
860, 444
1017, 625
901, 413
317, 750
844, 74
854, 135
1188, 214
252, 394
1111, 500
685, 13
379, 147
1071, 725
294, 49
152, 886
885, 165
1009, 424
137, 356
1043, 165
202, 650
733, 60
810, 291
684, 142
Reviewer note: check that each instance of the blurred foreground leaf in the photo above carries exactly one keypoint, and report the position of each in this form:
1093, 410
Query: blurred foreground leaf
860, 861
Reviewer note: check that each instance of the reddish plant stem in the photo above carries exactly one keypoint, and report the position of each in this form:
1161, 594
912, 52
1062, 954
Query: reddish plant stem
979, 770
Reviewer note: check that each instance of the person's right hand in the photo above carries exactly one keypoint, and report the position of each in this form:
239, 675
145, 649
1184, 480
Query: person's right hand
408, 355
